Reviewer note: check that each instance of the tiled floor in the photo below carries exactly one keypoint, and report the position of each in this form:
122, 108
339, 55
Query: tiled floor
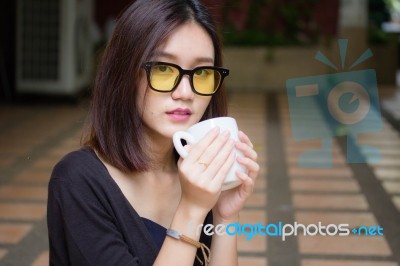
34, 137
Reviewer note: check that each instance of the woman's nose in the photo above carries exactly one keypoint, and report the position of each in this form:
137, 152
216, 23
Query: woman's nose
183, 90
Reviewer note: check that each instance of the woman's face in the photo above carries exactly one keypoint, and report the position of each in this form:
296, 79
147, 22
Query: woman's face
164, 113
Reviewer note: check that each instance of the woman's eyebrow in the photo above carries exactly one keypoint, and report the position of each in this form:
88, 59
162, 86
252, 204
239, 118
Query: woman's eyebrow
204, 59
163, 54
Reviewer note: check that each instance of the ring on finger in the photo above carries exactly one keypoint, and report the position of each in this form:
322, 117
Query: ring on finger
203, 164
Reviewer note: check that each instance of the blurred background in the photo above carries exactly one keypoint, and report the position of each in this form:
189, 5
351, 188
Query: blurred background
53, 46
49, 50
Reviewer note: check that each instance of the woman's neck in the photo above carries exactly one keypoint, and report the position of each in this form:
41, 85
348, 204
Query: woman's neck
161, 153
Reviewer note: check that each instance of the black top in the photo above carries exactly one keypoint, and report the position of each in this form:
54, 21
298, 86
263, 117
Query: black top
90, 222
157, 231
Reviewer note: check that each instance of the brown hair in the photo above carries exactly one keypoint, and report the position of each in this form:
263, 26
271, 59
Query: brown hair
115, 127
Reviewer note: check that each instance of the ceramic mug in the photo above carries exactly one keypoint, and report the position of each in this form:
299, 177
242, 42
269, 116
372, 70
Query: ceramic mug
196, 132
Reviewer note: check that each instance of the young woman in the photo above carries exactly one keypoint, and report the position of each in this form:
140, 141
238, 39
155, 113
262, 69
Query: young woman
112, 201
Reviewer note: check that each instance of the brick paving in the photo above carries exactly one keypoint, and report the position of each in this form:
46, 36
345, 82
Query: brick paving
34, 137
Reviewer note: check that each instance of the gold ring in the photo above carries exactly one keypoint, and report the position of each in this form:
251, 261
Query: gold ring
204, 164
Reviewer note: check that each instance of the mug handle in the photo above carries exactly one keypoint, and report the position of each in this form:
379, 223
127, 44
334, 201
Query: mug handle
178, 136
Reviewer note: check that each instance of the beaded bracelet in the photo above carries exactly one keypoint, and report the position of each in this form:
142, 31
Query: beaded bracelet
204, 249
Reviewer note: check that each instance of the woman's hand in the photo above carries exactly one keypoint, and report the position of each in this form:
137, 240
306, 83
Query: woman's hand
231, 201
203, 171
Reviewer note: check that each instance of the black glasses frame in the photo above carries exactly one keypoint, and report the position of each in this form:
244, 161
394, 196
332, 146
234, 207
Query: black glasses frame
148, 65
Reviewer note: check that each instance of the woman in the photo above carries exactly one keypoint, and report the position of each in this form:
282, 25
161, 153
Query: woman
112, 201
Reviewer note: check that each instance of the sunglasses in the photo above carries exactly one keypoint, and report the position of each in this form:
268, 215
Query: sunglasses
165, 77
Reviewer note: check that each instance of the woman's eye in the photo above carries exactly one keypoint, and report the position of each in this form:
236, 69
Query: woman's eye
162, 68
201, 72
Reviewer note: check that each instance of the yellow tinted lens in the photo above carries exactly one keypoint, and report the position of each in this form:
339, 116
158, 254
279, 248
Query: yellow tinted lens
163, 77
206, 80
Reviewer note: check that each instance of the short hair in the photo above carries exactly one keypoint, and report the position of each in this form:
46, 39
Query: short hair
114, 126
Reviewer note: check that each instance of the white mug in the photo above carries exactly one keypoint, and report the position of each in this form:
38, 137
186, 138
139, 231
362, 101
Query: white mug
196, 132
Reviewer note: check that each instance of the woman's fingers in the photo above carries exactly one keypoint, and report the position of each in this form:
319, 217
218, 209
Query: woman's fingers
221, 160
206, 157
223, 171
249, 159
247, 182
247, 150
213, 149
211, 159
251, 165
198, 148
245, 139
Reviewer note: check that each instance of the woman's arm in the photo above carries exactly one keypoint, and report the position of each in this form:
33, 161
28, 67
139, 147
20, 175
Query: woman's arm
224, 246
201, 188
179, 252
201, 191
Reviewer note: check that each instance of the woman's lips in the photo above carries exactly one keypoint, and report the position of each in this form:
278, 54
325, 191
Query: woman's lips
179, 114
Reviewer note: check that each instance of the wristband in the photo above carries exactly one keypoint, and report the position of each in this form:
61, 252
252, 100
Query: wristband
204, 249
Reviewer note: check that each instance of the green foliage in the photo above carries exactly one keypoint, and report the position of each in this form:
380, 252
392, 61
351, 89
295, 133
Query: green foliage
256, 38
377, 36
271, 23
378, 14
393, 5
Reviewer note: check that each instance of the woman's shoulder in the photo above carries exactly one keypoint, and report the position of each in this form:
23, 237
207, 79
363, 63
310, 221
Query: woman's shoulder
79, 163
78, 159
